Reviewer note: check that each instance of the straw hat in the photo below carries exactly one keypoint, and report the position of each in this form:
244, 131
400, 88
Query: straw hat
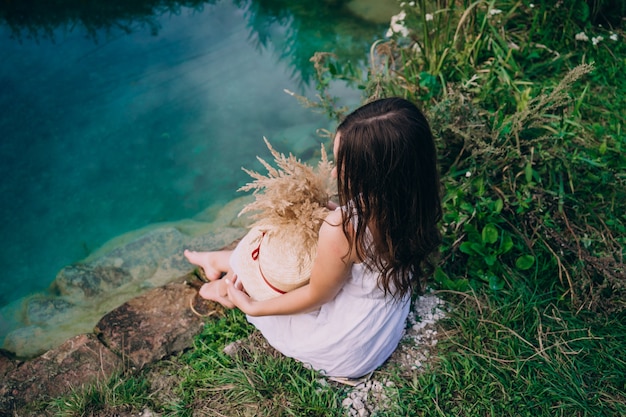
272, 261
277, 254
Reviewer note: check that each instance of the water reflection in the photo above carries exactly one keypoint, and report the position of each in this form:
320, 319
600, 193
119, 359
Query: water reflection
294, 30
38, 19
311, 27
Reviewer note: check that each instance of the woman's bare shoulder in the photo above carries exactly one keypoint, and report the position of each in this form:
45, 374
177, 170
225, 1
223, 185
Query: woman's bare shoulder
333, 238
334, 218
331, 231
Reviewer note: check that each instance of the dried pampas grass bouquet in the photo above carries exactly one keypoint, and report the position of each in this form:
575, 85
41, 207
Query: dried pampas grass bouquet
290, 205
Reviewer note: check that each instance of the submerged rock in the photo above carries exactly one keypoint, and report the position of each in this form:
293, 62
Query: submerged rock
23, 340
46, 310
82, 281
141, 256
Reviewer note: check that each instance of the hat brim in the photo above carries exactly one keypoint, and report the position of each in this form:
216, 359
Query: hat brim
270, 262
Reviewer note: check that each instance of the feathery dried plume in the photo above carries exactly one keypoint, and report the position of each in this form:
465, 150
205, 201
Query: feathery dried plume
292, 196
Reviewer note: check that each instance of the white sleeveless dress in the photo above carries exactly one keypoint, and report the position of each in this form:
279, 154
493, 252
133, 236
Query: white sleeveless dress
349, 336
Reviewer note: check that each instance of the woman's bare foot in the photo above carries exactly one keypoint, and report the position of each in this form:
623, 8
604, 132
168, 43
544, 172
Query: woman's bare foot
216, 291
205, 260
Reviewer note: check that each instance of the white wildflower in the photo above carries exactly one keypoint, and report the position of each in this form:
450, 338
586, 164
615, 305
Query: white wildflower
468, 174
596, 40
531, 5
396, 26
412, 4
398, 17
494, 12
429, 17
582, 36
614, 37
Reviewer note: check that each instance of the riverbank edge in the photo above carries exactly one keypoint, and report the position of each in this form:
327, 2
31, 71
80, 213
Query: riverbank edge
123, 268
148, 328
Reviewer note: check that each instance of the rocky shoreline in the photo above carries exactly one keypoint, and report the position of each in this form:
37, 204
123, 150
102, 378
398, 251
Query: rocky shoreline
144, 330
125, 306
124, 268
164, 321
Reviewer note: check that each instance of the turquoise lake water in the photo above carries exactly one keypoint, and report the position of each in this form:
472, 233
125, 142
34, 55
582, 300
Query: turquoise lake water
114, 122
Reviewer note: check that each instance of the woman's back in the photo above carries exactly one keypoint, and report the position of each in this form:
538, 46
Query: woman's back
387, 176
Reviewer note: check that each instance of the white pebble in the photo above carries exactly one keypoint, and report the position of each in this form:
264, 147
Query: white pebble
358, 404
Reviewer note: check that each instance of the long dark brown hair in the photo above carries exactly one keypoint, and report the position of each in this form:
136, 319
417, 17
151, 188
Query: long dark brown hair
388, 178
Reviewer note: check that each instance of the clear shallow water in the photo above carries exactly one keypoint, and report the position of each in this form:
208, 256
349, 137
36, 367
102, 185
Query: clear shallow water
112, 130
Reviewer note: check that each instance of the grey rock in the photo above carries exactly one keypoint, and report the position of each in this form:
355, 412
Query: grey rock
39, 310
89, 281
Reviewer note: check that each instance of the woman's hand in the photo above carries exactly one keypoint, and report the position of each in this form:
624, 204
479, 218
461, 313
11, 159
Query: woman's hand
239, 297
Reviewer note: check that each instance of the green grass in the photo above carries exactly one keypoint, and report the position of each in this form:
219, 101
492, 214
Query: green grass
520, 355
516, 353
534, 236
255, 380
119, 393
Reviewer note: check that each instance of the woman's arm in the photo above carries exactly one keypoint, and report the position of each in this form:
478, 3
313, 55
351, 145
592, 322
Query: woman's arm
329, 273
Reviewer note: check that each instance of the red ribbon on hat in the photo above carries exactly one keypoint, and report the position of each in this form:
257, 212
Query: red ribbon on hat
255, 256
